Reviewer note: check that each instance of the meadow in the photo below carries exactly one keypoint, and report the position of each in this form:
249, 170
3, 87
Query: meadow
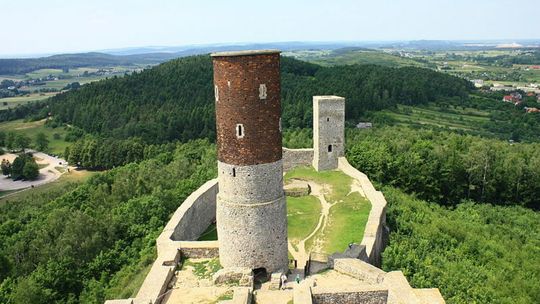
347, 217
57, 144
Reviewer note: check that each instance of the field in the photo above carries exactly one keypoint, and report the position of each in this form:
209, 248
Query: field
11, 102
347, 57
73, 75
30, 129
457, 118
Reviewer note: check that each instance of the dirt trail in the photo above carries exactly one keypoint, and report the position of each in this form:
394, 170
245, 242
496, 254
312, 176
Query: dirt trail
300, 255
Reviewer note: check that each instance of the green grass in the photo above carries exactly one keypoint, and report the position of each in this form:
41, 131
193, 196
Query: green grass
11, 102
339, 182
204, 269
224, 297
348, 214
30, 129
210, 234
346, 223
302, 216
455, 118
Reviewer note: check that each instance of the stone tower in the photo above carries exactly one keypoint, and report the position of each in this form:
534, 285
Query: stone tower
328, 131
251, 211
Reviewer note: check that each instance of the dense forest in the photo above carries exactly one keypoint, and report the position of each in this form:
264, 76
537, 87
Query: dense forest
446, 167
474, 253
174, 101
83, 244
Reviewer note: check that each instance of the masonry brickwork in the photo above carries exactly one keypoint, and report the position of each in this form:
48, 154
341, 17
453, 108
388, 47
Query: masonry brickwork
251, 209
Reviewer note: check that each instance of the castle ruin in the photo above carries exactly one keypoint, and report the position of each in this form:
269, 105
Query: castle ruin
248, 204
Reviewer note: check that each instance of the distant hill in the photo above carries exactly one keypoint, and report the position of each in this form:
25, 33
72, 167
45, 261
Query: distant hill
356, 55
20, 66
144, 55
174, 101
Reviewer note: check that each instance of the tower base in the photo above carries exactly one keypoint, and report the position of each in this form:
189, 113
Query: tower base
253, 235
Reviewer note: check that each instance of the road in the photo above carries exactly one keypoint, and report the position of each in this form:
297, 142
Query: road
46, 174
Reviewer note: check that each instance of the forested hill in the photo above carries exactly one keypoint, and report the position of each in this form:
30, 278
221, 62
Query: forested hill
175, 99
25, 65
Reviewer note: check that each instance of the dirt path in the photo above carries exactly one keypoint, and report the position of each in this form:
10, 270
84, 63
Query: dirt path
356, 187
47, 174
301, 255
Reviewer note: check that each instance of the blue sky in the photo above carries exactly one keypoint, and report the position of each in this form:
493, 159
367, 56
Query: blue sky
49, 26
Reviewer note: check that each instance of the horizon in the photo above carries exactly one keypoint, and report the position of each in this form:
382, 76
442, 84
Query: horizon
60, 26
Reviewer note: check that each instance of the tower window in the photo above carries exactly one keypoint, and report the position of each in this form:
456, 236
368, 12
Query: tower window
234, 172
327, 118
239, 130
262, 91
216, 92
329, 148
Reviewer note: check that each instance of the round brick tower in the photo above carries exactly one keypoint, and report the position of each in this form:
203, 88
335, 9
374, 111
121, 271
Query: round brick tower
251, 211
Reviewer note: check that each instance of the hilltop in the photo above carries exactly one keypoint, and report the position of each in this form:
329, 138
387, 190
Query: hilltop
175, 99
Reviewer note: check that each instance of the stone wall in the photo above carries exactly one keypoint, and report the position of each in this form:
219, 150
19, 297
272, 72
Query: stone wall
373, 296
296, 158
194, 215
375, 230
189, 221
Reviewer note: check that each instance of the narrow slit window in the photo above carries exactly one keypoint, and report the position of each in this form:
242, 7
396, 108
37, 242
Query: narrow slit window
327, 118
329, 148
234, 172
262, 91
239, 130
216, 92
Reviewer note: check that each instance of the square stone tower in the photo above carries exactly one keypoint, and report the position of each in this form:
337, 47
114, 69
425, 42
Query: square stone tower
328, 131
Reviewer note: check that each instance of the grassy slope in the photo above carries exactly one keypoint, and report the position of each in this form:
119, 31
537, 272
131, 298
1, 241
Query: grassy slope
302, 216
30, 129
348, 215
72, 177
467, 119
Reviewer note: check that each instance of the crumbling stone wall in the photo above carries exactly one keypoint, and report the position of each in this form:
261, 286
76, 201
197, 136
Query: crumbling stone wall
351, 297
296, 157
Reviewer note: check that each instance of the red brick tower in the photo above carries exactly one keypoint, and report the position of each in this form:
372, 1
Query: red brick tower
251, 210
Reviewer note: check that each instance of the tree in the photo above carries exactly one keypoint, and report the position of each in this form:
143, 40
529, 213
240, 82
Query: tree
30, 170
10, 140
42, 142
6, 167
22, 142
20, 170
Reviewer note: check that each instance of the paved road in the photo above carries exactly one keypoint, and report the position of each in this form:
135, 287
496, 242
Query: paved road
46, 174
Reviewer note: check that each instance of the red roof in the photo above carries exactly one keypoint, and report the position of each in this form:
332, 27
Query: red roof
508, 98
